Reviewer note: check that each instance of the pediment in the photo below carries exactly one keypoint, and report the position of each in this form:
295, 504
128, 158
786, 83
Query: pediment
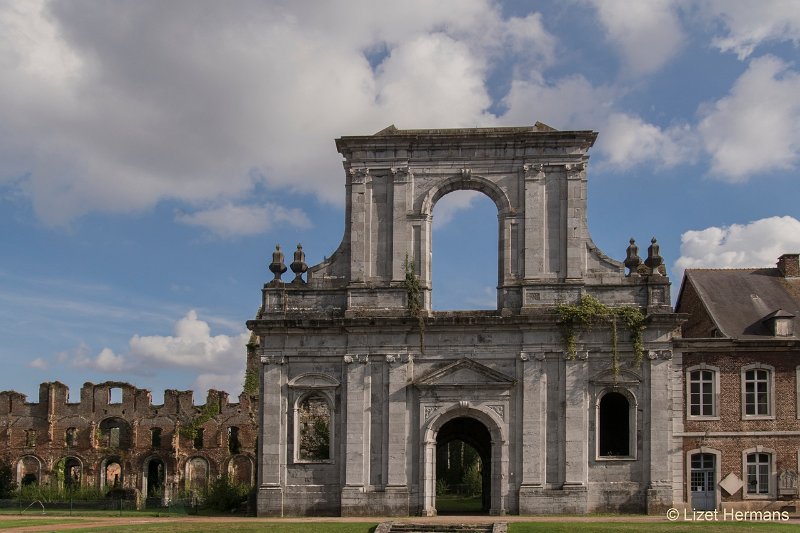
466, 373
313, 380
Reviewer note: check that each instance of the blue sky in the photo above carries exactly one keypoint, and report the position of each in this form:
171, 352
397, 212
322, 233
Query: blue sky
152, 154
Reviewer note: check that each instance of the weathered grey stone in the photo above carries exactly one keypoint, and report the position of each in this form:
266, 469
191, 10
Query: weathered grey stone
397, 380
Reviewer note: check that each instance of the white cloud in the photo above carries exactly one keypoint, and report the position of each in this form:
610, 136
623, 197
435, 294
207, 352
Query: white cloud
756, 244
647, 34
230, 382
113, 108
229, 220
756, 127
191, 347
628, 140
39, 363
749, 24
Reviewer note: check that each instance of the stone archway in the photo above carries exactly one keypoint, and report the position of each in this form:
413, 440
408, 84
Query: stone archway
476, 435
481, 430
154, 476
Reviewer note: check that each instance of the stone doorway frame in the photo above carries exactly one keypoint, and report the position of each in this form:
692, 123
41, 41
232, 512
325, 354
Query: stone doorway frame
499, 455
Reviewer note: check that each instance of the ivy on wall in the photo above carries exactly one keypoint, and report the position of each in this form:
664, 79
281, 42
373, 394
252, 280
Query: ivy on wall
589, 312
414, 300
209, 411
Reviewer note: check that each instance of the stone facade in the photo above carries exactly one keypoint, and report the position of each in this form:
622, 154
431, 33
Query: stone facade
557, 432
114, 437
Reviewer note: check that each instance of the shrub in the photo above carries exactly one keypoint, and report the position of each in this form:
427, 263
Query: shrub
223, 494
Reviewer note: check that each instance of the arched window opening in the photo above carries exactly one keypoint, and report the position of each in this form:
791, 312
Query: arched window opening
240, 470
71, 437
112, 476
28, 470
465, 243
234, 446
313, 428
614, 426
196, 474
115, 433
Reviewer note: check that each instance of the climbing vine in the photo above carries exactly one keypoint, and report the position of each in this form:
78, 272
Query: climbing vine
590, 311
414, 299
209, 411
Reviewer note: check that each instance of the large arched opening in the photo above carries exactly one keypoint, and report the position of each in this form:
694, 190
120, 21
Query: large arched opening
479, 429
464, 252
154, 477
463, 467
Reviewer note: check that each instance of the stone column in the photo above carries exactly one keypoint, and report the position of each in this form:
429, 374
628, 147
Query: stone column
359, 224
576, 448
272, 438
357, 439
397, 456
534, 446
536, 223
402, 238
659, 493
575, 219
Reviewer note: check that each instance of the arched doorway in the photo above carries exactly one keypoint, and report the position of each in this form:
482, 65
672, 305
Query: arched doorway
153, 479
481, 430
463, 467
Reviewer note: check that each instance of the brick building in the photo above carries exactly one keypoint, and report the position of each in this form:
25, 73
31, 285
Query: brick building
114, 437
740, 360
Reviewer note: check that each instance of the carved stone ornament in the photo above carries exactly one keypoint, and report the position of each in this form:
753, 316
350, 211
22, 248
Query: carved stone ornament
428, 411
401, 174
356, 358
348, 359
391, 358
652, 354
359, 175
533, 170
582, 355
272, 359
523, 356
463, 403
499, 409
539, 356
466, 173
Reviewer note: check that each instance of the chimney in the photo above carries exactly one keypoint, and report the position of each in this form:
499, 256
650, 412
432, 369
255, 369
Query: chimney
789, 265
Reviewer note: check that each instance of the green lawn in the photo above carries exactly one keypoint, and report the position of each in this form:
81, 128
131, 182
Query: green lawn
447, 504
243, 527
650, 527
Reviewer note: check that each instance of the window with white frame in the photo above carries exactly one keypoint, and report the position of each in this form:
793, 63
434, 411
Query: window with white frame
758, 474
702, 387
757, 390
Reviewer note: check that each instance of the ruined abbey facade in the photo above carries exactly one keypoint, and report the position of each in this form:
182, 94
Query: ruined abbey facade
361, 381
113, 437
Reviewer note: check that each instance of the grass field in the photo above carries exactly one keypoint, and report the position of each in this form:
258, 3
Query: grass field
219, 525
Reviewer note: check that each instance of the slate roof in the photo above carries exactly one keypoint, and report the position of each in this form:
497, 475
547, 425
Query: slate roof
739, 300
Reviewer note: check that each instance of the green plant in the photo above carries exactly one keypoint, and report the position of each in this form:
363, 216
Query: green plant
223, 494
209, 411
7, 483
590, 311
414, 300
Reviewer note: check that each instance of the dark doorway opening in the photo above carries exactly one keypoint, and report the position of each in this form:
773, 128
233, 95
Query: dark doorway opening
155, 479
463, 467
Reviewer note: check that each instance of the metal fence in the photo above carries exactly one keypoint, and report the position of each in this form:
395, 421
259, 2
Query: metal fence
25, 506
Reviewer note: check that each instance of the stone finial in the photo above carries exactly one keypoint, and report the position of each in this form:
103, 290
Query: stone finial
299, 265
632, 259
277, 267
654, 261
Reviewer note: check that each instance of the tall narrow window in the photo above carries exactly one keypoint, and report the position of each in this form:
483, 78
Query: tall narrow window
701, 393
113, 437
756, 392
30, 438
758, 467
313, 431
198, 439
155, 438
614, 426
233, 440
115, 395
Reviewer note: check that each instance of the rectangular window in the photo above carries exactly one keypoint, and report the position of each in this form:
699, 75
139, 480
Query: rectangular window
233, 440
30, 438
198, 439
701, 393
155, 438
758, 473
113, 437
756, 392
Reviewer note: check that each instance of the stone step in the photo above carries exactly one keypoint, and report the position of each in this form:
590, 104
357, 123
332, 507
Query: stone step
441, 528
